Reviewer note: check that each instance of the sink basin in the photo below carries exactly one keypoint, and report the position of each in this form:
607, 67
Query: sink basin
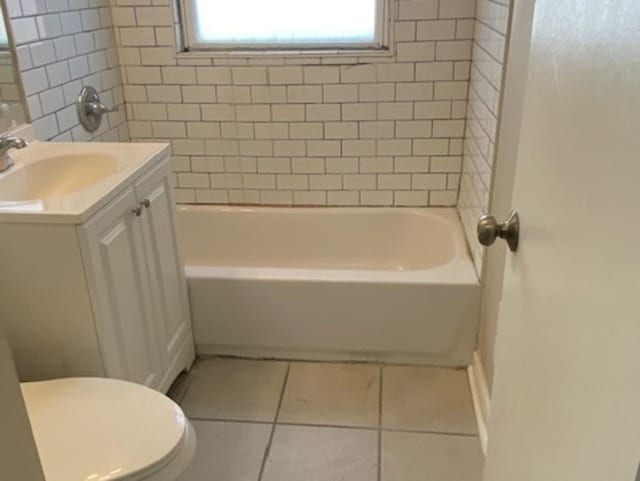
55, 176
68, 182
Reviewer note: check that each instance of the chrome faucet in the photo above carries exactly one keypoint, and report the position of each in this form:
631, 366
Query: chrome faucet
7, 143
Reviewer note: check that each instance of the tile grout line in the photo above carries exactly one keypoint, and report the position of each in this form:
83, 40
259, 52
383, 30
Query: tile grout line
212, 357
335, 426
380, 381
267, 450
417, 431
230, 420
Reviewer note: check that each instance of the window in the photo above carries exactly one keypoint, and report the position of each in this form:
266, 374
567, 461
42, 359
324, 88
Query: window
4, 40
284, 24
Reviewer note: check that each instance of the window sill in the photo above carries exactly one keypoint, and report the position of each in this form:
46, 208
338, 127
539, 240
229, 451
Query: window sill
333, 54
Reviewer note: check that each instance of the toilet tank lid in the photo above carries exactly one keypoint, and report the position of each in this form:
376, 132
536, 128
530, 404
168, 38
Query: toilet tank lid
95, 429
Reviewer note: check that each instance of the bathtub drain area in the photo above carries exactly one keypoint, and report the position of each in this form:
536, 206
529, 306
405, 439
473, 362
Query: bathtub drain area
286, 421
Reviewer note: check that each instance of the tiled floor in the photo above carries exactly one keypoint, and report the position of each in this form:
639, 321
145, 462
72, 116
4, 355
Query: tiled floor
301, 421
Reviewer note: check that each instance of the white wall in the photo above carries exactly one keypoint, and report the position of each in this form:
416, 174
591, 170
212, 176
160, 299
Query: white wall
305, 130
61, 46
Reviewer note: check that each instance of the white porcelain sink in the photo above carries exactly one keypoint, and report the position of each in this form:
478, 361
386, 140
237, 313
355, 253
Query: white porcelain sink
66, 182
56, 176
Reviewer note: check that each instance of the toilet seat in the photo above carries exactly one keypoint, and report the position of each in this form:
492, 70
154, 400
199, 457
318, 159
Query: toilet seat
95, 429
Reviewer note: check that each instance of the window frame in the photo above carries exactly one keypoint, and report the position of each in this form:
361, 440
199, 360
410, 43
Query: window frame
380, 44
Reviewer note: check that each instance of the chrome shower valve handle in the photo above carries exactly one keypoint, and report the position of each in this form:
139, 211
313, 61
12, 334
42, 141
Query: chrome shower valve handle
91, 109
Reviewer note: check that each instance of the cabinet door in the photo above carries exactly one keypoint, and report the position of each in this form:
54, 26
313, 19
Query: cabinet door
166, 270
114, 249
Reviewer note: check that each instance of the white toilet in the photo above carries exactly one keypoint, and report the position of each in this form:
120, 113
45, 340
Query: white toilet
94, 429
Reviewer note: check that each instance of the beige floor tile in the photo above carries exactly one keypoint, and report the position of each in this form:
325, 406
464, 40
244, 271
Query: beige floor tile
322, 454
427, 399
228, 451
430, 457
235, 389
334, 394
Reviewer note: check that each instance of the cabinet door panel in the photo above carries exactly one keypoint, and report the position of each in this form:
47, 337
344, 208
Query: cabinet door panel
166, 269
115, 244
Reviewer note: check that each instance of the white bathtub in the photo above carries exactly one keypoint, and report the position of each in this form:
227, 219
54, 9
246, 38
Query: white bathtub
391, 285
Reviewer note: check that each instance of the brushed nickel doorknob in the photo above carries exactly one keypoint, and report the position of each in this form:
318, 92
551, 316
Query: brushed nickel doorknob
137, 211
489, 230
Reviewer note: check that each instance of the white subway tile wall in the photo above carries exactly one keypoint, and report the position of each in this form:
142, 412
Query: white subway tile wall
61, 46
303, 129
489, 45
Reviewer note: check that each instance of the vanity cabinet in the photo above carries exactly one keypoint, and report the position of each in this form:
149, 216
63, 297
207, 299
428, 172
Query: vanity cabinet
117, 275
166, 268
122, 271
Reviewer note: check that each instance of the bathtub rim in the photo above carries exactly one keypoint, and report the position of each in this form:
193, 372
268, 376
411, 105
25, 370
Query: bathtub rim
454, 273
457, 271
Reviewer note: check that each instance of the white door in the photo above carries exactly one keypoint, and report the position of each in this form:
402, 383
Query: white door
114, 239
166, 270
566, 399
